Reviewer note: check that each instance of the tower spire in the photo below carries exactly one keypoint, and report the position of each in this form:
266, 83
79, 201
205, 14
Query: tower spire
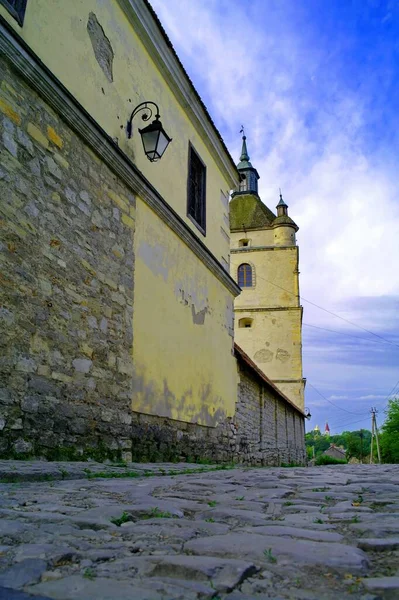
244, 151
248, 175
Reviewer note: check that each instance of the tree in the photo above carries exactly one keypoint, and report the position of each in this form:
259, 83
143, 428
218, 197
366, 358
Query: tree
389, 439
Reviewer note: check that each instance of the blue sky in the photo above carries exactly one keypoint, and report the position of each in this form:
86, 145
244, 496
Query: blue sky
316, 84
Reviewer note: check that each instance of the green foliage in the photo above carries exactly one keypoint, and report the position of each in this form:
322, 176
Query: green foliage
155, 513
389, 439
210, 520
122, 519
212, 503
319, 521
356, 443
89, 574
324, 459
269, 555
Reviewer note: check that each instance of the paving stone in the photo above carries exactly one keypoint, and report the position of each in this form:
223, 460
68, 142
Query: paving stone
23, 573
254, 546
234, 516
224, 573
9, 594
76, 587
378, 544
296, 532
382, 584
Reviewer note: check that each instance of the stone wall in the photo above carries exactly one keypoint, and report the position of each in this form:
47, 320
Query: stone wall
266, 429
66, 287
269, 430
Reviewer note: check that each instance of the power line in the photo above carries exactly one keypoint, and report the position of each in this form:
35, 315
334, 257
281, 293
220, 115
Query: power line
393, 391
329, 311
327, 400
342, 333
340, 424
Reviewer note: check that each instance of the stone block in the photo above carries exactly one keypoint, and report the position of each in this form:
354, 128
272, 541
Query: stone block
37, 135
9, 111
54, 137
82, 365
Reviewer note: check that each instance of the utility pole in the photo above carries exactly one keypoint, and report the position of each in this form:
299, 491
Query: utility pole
361, 446
374, 433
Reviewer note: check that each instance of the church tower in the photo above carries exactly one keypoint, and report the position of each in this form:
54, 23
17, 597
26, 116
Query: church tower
264, 262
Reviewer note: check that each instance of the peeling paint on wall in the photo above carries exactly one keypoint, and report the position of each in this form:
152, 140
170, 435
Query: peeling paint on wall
198, 317
155, 257
150, 398
101, 46
263, 355
282, 355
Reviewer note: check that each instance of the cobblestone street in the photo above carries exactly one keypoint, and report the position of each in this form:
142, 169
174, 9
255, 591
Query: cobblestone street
301, 533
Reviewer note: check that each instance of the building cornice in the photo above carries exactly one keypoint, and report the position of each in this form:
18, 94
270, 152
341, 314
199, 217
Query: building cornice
144, 20
259, 249
44, 82
268, 308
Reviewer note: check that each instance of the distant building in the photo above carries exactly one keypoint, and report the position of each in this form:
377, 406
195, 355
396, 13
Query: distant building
326, 430
317, 429
335, 452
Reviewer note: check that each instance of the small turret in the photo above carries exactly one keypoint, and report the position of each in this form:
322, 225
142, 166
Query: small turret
284, 227
282, 207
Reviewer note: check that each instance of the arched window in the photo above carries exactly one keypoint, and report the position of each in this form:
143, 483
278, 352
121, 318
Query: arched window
245, 275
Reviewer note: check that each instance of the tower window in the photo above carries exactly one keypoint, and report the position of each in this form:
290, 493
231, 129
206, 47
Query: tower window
243, 243
196, 190
245, 275
245, 323
16, 8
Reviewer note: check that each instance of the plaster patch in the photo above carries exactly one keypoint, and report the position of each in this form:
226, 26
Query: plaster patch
101, 46
282, 355
198, 317
263, 356
155, 258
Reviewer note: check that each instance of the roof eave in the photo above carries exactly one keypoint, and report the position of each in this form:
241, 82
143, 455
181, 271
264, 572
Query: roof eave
144, 20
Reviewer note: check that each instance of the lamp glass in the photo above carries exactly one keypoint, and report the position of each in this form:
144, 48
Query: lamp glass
155, 140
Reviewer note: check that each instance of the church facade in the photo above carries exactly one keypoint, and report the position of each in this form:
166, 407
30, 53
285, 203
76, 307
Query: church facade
116, 300
265, 264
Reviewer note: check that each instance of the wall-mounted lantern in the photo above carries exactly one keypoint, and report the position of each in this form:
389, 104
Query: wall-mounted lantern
154, 137
307, 413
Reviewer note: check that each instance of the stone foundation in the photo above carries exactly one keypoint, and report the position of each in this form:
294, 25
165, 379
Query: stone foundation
66, 287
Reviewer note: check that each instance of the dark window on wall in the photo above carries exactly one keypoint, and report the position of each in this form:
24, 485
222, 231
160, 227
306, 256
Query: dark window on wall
16, 8
245, 275
196, 190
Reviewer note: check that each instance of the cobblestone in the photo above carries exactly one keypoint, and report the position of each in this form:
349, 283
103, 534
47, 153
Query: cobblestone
160, 531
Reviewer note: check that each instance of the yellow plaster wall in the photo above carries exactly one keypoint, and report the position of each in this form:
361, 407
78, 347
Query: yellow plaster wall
284, 236
56, 31
264, 237
274, 342
276, 277
183, 317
